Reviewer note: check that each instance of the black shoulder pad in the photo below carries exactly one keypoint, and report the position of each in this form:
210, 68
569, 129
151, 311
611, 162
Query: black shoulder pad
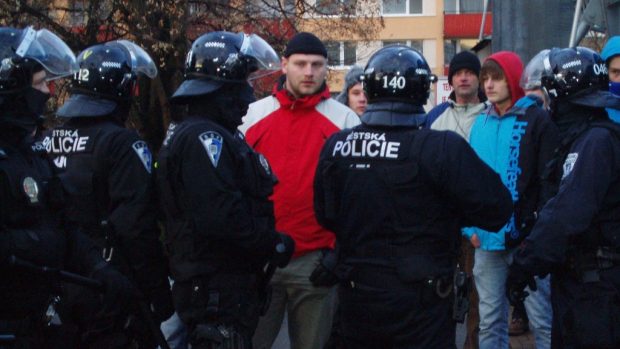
3, 154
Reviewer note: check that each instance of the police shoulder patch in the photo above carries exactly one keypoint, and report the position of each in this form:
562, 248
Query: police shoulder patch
213, 144
144, 154
569, 163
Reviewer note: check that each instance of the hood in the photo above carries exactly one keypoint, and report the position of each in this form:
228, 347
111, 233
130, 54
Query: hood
513, 68
352, 78
611, 49
288, 101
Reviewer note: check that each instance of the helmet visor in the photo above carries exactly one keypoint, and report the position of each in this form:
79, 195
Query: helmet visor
48, 50
267, 59
141, 62
532, 74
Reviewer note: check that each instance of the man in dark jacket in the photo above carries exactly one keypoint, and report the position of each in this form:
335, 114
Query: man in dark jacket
33, 226
215, 193
396, 198
106, 169
577, 235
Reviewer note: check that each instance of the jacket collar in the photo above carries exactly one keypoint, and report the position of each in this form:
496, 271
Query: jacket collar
393, 114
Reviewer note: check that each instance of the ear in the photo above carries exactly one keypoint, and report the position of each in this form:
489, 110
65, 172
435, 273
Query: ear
284, 64
135, 89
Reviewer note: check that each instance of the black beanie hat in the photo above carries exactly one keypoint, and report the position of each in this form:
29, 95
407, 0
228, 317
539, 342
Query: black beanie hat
463, 60
305, 43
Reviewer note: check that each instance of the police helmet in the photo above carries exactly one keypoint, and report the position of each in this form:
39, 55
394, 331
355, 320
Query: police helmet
532, 74
106, 77
27, 51
398, 73
223, 57
577, 75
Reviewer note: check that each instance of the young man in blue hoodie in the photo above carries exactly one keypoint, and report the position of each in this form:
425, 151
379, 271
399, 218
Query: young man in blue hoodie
611, 55
515, 137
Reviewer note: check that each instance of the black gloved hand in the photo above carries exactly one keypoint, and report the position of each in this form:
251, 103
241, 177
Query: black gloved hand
518, 279
117, 292
160, 302
324, 274
283, 250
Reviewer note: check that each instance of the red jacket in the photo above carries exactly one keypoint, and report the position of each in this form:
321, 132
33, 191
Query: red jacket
290, 133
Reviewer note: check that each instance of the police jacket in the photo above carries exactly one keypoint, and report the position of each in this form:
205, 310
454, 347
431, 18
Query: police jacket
106, 170
585, 213
290, 133
517, 145
215, 192
396, 196
32, 229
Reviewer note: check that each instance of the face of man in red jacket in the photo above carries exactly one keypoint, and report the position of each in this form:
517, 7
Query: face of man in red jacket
305, 73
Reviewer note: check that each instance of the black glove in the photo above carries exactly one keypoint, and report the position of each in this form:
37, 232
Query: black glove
283, 250
518, 279
160, 301
324, 274
117, 291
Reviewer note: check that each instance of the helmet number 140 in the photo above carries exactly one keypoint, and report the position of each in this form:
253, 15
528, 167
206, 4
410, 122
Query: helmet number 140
396, 82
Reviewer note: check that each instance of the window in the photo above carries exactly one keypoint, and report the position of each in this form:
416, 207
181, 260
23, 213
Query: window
335, 7
341, 53
199, 7
416, 44
449, 50
401, 7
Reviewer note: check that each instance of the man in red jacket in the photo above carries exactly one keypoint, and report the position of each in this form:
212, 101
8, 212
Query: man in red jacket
289, 128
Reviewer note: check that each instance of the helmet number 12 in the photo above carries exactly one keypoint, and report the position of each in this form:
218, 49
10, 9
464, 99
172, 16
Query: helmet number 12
396, 82
81, 75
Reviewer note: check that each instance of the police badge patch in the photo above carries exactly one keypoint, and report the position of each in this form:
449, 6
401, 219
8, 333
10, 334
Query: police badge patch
571, 159
142, 149
213, 143
31, 188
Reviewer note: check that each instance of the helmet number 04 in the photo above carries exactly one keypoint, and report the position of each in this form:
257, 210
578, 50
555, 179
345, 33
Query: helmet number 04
396, 82
82, 75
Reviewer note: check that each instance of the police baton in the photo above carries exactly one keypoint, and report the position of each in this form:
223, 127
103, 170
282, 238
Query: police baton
94, 285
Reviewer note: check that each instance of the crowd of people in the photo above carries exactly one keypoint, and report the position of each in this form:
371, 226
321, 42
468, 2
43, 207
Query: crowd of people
365, 220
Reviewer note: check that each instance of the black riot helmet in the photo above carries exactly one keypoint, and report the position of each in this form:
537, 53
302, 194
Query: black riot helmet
106, 78
577, 75
24, 52
398, 73
223, 57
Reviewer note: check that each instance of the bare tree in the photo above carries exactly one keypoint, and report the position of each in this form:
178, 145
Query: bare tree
165, 28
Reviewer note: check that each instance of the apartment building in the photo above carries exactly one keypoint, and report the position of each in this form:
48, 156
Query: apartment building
437, 28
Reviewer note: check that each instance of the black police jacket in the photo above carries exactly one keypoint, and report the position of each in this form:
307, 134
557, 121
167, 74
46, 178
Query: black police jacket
106, 171
397, 196
585, 213
32, 229
215, 192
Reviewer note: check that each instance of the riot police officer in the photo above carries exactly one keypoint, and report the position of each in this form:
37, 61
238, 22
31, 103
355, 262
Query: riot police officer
215, 192
32, 228
577, 235
396, 197
106, 169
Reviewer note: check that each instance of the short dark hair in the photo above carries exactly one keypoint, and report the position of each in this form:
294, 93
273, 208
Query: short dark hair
491, 69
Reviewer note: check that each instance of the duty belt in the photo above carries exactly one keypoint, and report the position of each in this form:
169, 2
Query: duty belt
589, 265
386, 278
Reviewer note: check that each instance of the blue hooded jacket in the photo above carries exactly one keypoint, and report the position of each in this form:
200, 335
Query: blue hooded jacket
517, 145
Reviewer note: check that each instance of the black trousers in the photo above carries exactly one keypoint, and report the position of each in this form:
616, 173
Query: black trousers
586, 315
395, 315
